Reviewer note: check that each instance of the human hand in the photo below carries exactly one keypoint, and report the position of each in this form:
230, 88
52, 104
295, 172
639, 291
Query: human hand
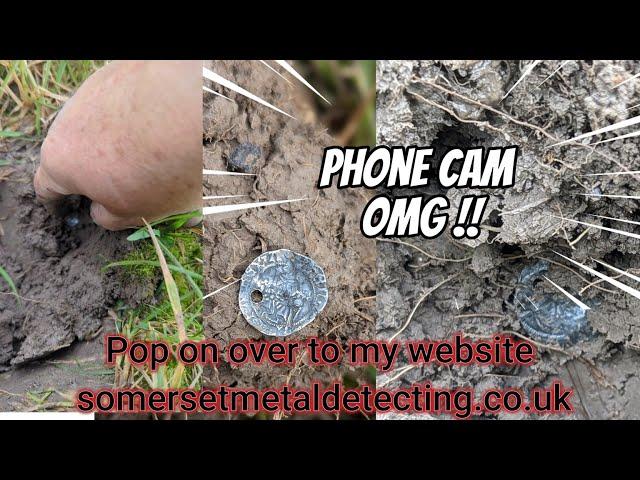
130, 140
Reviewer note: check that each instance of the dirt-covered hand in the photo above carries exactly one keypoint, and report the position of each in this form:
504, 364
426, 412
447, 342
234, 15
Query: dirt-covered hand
129, 140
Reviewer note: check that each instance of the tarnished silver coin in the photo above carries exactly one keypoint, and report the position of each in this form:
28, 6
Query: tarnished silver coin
282, 291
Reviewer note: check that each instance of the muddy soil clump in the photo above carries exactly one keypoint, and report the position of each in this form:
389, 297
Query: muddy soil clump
285, 155
448, 104
56, 263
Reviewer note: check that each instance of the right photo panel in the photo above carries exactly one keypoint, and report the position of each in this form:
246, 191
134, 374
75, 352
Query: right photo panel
507, 237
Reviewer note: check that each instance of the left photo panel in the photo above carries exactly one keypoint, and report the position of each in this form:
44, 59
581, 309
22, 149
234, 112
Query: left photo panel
100, 226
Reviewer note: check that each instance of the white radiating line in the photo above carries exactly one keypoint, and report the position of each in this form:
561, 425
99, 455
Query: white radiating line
627, 80
616, 126
218, 197
244, 206
531, 302
531, 66
612, 281
220, 289
630, 197
569, 296
609, 173
620, 137
632, 107
216, 93
614, 219
600, 227
276, 72
554, 72
293, 72
214, 77
622, 272
224, 172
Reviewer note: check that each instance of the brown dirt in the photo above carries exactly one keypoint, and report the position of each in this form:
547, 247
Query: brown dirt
325, 227
56, 376
56, 269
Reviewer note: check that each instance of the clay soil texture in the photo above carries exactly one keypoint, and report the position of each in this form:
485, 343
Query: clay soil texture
50, 340
448, 104
284, 154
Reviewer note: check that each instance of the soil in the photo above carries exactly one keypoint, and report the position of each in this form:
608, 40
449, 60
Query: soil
285, 156
519, 229
55, 260
50, 383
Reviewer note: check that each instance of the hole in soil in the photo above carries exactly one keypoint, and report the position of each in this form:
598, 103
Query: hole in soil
495, 220
508, 250
256, 296
458, 136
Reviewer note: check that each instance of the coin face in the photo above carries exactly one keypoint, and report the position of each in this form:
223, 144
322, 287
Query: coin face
548, 318
281, 292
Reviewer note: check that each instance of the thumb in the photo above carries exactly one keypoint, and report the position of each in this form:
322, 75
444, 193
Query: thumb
52, 181
103, 217
48, 191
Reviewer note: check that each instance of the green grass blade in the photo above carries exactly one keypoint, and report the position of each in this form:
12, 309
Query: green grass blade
178, 220
10, 134
141, 234
12, 286
171, 286
60, 70
133, 263
176, 262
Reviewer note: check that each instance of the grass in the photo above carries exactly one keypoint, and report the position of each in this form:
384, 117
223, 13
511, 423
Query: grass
174, 252
32, 92
7, 278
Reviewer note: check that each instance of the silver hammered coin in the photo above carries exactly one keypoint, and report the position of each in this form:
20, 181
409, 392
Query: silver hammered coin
281, 292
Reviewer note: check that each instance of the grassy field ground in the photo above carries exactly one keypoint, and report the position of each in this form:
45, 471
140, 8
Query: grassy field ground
178, 314
31, 94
